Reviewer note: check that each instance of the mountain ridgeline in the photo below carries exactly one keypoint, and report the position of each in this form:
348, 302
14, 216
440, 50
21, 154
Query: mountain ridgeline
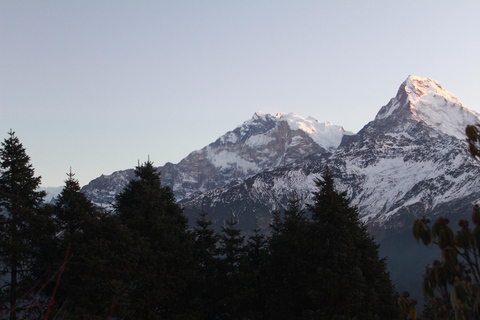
410, 161
70, 259
261, 143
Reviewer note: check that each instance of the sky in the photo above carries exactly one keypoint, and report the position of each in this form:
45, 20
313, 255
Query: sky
97, 86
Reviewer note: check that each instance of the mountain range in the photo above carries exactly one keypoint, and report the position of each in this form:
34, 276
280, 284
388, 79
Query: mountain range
261, 143
411, 161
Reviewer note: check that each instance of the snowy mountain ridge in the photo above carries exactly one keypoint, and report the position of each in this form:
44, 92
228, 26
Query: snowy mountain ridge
411, 160
424, 101
325, 134
260, 143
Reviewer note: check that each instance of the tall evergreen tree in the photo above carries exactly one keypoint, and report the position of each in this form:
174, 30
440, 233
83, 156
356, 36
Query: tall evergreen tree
99, 273
204, 287
289, 263
351, 281
19, 204
326, 266
74, 211
276, 222
162, 246
255, 272
87, 240
232, 255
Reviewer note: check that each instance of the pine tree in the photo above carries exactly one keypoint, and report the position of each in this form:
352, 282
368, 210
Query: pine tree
351, 281
99, 276
204, 287
162, 246
256, 249
232, 255
254, 269
85, 241
19, 205
74, 211
276, 222
289, 263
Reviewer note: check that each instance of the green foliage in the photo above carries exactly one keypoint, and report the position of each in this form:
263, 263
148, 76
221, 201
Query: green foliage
451, 286
141, 261
349, 259
326, 266
21, 225
473, 138
232, 254
91, 284
162, 247
255, 275
205, 284
407, 307
289, 264
97, 277
73, 211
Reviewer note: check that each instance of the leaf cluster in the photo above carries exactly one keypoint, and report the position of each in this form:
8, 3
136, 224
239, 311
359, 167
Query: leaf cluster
473, 138
451, 286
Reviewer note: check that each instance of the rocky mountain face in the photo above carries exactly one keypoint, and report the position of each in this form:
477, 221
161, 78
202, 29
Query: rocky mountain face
102, 190
261, 143
411, 161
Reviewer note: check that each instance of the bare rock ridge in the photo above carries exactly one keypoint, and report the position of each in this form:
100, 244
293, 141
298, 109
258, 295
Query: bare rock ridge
410, 161
407, 157
261, 143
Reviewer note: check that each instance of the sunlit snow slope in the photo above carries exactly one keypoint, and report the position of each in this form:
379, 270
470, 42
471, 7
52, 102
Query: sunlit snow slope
260, 143
410, 161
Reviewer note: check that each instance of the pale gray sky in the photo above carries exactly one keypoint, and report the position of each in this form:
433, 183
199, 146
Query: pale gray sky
97, 85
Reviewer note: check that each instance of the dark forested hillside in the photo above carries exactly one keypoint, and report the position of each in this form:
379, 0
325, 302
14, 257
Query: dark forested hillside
73, 260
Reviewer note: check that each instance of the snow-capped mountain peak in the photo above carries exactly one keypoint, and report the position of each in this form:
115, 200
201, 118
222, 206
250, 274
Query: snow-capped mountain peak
423, 100
259, 115
416, 87
412, 160
325, 134
286, 131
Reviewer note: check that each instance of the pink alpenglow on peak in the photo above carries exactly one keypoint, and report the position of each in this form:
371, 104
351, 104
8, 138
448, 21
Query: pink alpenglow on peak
424, 100
416, 86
